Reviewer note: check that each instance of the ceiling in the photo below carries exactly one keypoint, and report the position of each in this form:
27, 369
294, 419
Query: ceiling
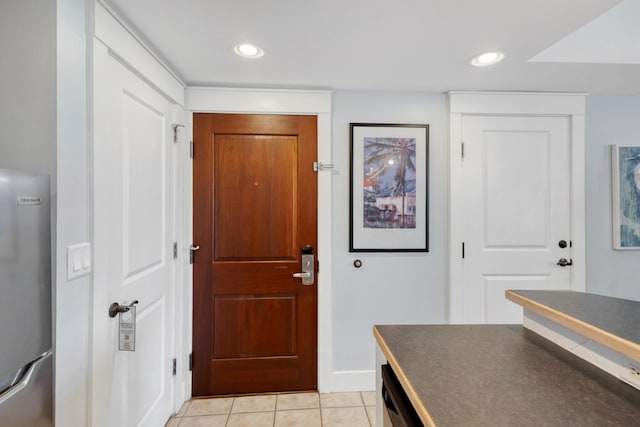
588, 46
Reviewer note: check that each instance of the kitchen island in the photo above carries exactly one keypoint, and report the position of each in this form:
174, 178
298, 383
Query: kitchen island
500, 375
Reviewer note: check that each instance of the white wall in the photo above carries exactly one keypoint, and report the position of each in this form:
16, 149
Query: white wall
28, 86
609, 120
73, 298
389, 287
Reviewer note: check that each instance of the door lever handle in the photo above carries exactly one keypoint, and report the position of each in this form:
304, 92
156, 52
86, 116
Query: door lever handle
562, 262
302, 275
116, 308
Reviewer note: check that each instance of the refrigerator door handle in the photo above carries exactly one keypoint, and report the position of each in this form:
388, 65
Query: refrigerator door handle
24, 381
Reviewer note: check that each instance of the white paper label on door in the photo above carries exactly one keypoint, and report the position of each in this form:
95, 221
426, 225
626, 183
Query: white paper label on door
127, 330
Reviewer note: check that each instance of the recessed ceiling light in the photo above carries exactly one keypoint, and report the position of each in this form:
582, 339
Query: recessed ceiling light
247, 50
488, 58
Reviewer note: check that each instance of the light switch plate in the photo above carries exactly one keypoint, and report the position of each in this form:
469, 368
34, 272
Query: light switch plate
78, 260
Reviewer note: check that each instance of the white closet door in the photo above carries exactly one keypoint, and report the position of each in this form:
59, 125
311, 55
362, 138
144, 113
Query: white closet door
515, 211
133, 222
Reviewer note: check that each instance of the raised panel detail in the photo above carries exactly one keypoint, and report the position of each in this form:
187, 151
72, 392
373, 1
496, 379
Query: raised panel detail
245, 326
144, 186
517, 186
147, 370
497, 309
255, 184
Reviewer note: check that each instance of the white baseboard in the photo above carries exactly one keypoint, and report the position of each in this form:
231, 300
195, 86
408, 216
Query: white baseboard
342, 381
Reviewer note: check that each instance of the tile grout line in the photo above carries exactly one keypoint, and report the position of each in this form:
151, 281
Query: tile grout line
364, 406
365, 409
233, 402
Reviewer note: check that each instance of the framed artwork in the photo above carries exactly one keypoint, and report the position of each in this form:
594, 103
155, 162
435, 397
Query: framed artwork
625, 165
389, 199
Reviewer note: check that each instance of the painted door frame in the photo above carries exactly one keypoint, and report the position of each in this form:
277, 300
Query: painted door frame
318, 103
183, 292
515, 104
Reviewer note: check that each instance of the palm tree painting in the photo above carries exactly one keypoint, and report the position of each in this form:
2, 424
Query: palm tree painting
389, 182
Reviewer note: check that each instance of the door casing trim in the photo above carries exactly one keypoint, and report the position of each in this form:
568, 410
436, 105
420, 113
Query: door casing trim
268, 101
571, 105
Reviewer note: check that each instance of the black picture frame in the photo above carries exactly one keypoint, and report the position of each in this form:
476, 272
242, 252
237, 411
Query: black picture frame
389, 187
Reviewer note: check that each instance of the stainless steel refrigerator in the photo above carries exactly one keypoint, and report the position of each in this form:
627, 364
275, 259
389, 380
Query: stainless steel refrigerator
26, 379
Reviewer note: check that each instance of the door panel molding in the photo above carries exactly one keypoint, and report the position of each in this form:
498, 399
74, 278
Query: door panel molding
463, 104
232, 311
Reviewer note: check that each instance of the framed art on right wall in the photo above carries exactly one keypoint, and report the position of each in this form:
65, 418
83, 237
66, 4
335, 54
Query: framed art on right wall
625, 166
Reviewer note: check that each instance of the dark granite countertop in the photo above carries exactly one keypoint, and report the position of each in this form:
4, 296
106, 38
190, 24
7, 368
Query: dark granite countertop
613, 322
503, 375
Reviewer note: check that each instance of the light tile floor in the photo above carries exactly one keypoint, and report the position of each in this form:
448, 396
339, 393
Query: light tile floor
356, 409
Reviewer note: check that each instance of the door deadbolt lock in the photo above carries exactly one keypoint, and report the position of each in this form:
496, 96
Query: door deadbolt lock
116, 308
563, 244
308, 263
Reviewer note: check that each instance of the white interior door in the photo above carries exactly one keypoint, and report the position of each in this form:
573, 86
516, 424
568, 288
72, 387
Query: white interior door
515, 211
133, 165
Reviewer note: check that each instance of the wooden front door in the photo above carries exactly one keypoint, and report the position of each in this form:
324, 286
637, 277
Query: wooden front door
255, 209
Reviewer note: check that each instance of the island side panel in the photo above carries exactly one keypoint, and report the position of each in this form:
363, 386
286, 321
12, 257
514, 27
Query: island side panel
380, 360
